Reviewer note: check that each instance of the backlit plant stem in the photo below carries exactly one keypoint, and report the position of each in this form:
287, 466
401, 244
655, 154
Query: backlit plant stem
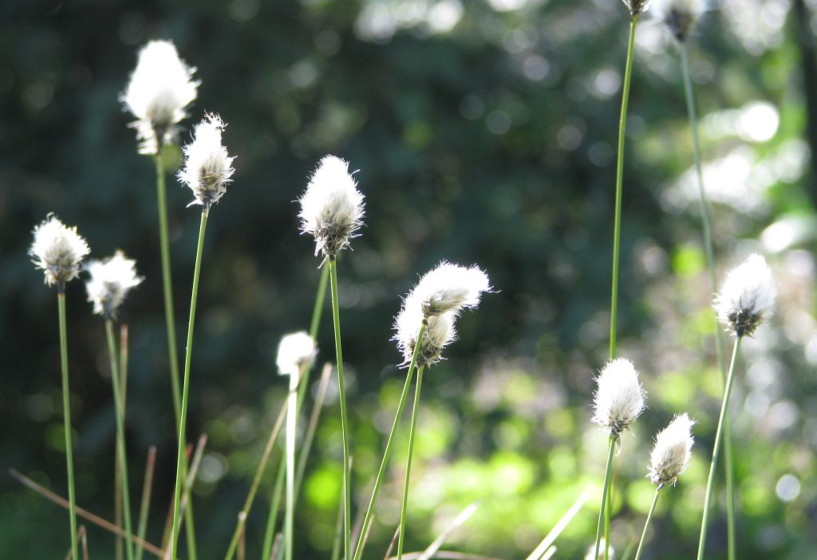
412, 428
608, 475
66, 411
647, 523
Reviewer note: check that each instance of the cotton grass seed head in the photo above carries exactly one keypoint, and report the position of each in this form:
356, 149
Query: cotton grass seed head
619, 397
295, 351
440, 332
672, 451
58, 250
636, 7
160, 89
110, 282
207, 166
679, 16
450, 287
746, 297
331, 207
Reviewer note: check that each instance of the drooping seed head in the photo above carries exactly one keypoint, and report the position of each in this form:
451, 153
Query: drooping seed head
58, 250
440, 332
295, 351
636, 7
746, 297
110, 281
450, 287
208, 168
679, 16
331, 207
619, 397
160, 89
672, 451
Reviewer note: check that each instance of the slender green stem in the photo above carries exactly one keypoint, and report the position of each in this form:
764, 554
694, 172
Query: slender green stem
647, 523
412, 428
367, 518
66, 411
344, 422
123, 380
144, 508
120, 436
269, 535
292, 412
174, 536
338, 540
622, 129
716, 448
608, 472
608, 512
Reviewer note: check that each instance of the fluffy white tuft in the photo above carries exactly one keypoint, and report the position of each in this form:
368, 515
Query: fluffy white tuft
207, 166
619, 397
746, 297
159, 90
295, 351
110, 282
672, 451
58, 250
679, 16
440, 332
331, 207
450, 287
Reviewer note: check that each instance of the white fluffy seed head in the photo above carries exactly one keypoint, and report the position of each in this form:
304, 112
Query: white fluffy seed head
450, 287
110, 282
746, 297
58, 250
207, 166
619, 397
160, 89
440, 332
672, 451
295, 351
679, 16
636, 7
331, 207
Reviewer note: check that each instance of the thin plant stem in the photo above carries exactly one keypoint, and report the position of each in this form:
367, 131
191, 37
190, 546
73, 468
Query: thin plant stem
174, 536
401, 405
716, 448
338, 540
344, 422
710, 264
312, 427
292, 404
608, 471
647, 522
608, 509
66, 411
120, 435
622, 129
272, 520
412, 428
144, 508
123, 381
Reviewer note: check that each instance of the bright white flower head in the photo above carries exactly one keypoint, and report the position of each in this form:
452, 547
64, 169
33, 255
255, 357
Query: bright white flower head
636, 7
746, 297
58, 250
619, 397
450, 287
207, 166
672, 451
440, 332
680, 16
159, 90
592, 550
110, 282
331, 207
295, 351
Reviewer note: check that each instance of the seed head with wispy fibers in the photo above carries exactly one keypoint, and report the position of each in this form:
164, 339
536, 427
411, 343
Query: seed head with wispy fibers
679, 16
746, 297
619, 398
331, 207
208, 168
450, 287
160, 89
295, 351
58, 250
672, 451
636, 7
110, 281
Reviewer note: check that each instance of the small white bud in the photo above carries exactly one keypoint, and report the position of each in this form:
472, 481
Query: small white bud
110, 282
58, 250
450, 287
746, 297
679, 16
295, 351
672, 451
207, 166
159, 90
619, 397
331, 207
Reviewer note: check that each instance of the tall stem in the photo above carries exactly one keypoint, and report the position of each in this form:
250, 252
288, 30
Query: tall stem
716, 449
414, 410
120, 436
608, 472
174, 536
292, 404
66, 411
344, 422
144, 508
123, 380
647, 523
622, 129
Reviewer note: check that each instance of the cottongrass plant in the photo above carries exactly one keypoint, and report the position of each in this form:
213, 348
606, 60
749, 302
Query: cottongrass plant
208, 168
109, 283
669, 459
332, 212
619, 400
58, 250
745, 300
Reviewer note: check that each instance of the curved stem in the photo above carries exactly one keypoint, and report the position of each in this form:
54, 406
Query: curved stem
608, 472
174, 537
716, 449
414, 410
647, 523
622, 129
66, 411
